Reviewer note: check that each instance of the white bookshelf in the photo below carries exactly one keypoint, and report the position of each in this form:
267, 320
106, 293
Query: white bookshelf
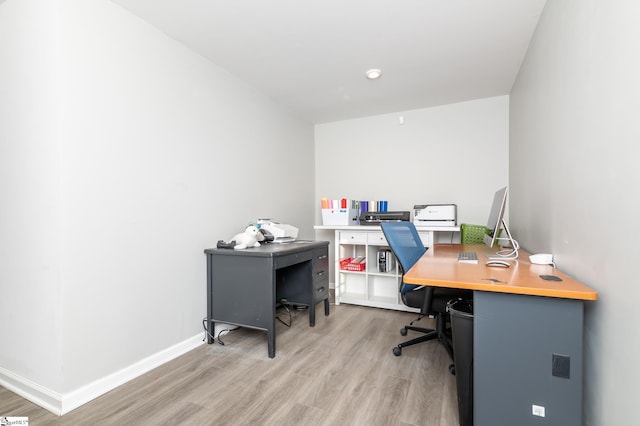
370, 287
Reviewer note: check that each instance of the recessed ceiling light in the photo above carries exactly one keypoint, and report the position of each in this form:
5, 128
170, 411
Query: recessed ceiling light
374, 73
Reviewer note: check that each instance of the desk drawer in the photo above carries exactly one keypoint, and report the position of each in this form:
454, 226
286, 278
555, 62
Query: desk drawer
348, 237
320, 287
320, 268
291, 259
320, 261
376, 239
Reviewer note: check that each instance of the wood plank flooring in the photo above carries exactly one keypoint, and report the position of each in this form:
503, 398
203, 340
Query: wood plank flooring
340, 372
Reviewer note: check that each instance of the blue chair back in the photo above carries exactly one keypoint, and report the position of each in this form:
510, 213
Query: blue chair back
405, 242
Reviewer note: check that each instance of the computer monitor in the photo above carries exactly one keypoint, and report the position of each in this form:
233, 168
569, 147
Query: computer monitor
496, 221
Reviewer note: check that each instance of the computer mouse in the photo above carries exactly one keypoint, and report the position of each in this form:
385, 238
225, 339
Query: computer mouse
498, 263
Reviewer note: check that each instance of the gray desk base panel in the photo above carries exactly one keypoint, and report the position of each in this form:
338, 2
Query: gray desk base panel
515, 339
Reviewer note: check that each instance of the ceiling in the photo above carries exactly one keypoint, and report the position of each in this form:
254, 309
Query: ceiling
311, 55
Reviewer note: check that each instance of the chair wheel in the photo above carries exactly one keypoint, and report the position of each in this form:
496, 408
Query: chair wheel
403, 331
452, 369
397, 351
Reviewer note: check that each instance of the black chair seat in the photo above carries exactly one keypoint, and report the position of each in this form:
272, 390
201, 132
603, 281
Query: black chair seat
415, 298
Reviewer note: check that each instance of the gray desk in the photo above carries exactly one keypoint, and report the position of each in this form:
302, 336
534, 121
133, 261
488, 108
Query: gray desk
522, 323
243, 286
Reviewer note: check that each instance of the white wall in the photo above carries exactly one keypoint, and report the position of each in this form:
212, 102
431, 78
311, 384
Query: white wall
135, 154
574, 179
30, 271
455, 153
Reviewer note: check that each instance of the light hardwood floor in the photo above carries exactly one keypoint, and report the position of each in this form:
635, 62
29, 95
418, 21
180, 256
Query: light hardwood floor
340, 372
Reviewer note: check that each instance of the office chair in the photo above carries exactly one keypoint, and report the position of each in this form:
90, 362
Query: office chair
404, 241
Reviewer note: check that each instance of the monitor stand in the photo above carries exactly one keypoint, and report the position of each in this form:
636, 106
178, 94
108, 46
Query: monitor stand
507, 253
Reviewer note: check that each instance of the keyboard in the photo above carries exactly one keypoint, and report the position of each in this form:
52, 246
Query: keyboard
467, 257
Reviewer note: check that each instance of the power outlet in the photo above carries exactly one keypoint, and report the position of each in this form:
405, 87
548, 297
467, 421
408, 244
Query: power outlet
561, 366
537, 410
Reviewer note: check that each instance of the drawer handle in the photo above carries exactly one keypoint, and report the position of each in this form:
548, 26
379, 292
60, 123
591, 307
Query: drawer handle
324, 256
320, 289
321, 273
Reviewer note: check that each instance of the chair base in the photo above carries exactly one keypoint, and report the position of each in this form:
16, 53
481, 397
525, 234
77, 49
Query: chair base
442, 334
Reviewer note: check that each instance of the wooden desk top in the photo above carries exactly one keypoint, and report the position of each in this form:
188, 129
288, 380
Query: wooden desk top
440, 267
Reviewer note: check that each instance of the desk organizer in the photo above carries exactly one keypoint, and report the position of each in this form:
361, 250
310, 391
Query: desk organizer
340, 217
352, 264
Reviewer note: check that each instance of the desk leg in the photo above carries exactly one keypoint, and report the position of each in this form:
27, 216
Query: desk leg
209, 324
271, 339
312, 312
211, 329
312, 315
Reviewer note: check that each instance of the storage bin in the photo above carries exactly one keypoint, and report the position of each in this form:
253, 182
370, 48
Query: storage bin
348, 264
472, 234
461, 313
340, 217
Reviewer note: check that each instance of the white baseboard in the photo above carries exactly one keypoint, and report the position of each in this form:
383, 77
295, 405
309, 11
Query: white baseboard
61, 404
40, 395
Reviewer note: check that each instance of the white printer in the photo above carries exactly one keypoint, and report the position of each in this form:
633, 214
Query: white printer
282, 233
435, 215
